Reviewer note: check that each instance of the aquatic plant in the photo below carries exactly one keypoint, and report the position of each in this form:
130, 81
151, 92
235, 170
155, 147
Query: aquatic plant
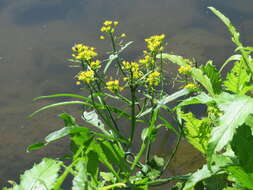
101, 153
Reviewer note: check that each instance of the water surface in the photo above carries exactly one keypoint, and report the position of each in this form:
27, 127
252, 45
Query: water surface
35, 41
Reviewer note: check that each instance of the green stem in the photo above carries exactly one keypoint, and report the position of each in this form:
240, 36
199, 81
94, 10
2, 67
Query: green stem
138, 156
133, 116
61, 179
174, 152
151, 125
116, 52
103, 102
163, 181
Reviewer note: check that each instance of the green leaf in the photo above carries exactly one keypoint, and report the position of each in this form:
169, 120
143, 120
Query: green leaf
59, 104
243, 178
201, 98
93, 164
63, 95
108, 176
112, 57
114, 155
164, 100
216, 182
235, 35
237, 80
236, 109
235, 38
125, 46
58, 134
35, 146
203, 79
236, 57
82, 180
104, 157
242, 144
42, 176
69, 120
200, 175
168, 125
213, 74
197, 131
92, 118
176, 59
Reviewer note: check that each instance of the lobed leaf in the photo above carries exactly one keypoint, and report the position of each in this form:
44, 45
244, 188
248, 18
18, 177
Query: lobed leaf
236, 110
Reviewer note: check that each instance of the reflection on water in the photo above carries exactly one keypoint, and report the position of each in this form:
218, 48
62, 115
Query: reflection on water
35, 41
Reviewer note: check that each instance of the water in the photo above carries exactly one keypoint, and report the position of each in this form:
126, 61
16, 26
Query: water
35, 42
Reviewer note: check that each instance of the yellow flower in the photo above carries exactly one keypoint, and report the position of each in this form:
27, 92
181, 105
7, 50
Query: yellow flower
102, 37
185, 69
86, 76
78, 83
83, 53
115, 23
133, 69
123, 35
154, 43
147, 60
153, 78
190, 86
113, 86
107, 22
109, 26
95, 65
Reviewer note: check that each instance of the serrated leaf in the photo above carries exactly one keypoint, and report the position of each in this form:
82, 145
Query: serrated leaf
42, 176
197, 131
241, 144
235, 38
236, 109
213, 74
82, 180
200, 175
237, 80
114, 155
235, 35
243, 178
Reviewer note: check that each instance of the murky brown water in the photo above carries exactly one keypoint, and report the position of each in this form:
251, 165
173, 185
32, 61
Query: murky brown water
35, 41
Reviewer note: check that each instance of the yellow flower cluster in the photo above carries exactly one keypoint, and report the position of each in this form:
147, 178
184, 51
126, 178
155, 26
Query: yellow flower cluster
109, 26
185, 69
190, 86
86, 76
94, 65
113, 86
83, 53
153, 78
147, 60
133, 68
154, 43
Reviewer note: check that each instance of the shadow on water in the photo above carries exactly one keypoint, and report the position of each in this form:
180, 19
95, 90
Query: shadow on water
35, 42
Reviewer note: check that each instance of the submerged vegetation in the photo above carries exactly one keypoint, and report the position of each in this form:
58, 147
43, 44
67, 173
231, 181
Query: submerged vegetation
102, 156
